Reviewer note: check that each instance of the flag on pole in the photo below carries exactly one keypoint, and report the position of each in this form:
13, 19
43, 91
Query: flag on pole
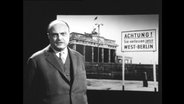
95, 18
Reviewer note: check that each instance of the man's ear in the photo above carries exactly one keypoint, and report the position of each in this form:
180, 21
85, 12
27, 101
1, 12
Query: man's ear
48, 35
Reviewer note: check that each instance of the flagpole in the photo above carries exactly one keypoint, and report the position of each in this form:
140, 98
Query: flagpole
98, 25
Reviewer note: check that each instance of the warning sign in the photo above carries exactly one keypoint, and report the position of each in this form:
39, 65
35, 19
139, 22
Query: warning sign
138, 40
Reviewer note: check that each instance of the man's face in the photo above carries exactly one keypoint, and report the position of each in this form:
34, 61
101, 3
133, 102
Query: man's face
59, 36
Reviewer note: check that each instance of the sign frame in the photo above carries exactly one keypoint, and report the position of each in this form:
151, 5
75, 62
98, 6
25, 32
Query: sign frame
122, 45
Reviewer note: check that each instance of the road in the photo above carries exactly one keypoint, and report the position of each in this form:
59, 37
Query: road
104, 84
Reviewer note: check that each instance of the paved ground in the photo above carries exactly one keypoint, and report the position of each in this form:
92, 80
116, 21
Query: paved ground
104, 84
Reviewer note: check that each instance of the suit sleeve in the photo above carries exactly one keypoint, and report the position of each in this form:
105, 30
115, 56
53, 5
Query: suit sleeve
83, 62
84, 69
29, 77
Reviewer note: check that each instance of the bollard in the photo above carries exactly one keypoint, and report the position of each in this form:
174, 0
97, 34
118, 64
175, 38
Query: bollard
145, 80
123, 88
155, 89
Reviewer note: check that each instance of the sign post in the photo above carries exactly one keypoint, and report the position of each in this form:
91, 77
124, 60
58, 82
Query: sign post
123, 73
138, 41
154, 76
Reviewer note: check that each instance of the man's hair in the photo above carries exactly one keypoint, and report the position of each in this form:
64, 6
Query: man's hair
57, 22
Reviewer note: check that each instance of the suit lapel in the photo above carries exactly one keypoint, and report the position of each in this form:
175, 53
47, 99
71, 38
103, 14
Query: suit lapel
73, 61
51, 58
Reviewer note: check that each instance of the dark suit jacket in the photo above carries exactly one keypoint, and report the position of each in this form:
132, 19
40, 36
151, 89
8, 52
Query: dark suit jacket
45, 83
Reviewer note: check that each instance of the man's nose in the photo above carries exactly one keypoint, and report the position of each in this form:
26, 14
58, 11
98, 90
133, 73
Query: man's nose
60, 36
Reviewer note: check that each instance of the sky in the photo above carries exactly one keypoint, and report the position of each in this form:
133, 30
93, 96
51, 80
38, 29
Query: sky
112, 27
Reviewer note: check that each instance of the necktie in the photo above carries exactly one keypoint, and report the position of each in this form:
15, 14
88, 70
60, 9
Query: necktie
61, 57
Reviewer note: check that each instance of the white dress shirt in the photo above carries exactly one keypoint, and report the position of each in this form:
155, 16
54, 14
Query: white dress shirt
64, 54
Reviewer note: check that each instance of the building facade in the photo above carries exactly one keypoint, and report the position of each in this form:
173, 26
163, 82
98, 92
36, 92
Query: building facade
95, 49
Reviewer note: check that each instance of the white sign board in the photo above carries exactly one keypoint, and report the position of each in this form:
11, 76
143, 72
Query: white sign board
138, 40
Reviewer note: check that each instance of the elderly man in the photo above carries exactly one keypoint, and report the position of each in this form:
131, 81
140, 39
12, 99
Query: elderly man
56, 74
